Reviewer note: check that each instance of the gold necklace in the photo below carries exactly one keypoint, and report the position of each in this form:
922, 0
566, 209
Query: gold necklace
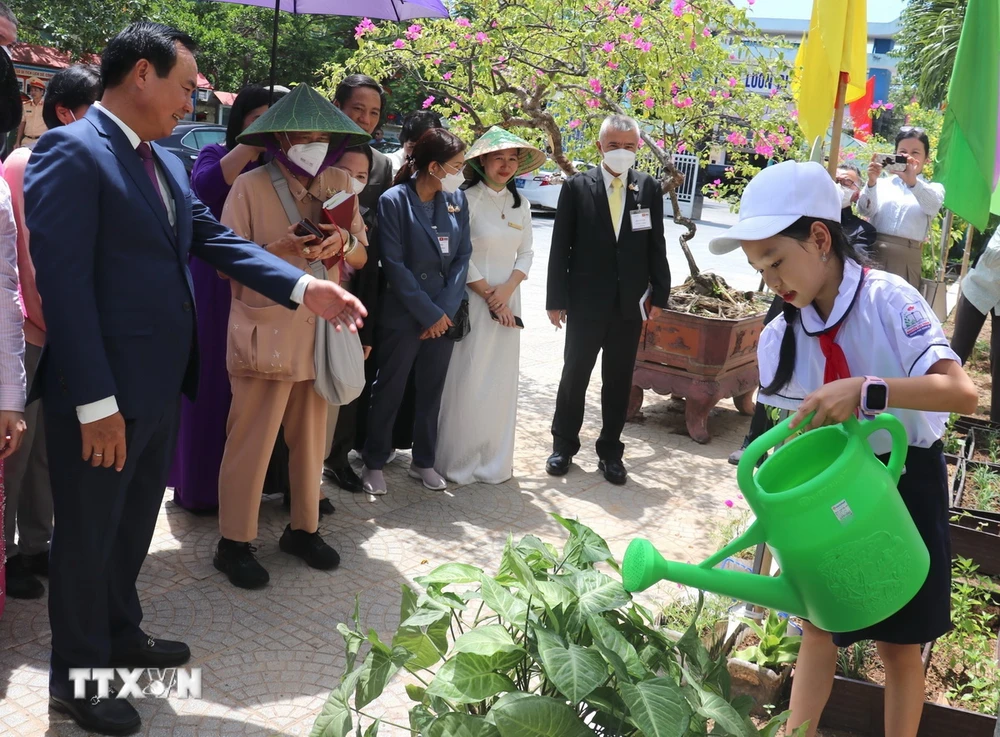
502, 210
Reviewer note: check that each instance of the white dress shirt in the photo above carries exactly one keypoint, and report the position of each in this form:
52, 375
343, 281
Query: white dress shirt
888, 331
12, 376
94, 411
895, 208
623, 178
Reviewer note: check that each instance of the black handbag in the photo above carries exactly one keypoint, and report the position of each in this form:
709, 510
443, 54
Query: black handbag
460, 325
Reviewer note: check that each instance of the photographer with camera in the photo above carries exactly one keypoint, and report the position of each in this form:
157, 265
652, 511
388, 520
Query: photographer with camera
902, 205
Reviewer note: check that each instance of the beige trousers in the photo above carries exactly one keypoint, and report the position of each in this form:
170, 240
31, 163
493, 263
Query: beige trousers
259, 408
900, 256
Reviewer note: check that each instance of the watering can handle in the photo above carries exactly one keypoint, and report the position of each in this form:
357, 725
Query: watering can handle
900, 442
771, 439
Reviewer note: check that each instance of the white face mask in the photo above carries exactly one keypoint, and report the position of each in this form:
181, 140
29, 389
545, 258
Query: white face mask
357, 185
846, 196
451, 182
309, 156
619, 160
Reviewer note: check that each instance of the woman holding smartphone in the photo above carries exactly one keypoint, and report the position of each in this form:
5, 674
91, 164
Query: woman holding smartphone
902, 205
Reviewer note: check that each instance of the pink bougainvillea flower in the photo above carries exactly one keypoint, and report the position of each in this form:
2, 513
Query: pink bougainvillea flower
436, 62
493, 24
628, 95
626, 37
681, 147
889, 106
729, 503
448, 75
453, 45
428, 102
678, 8
399, 43
482, 37
751, 2
637, 22
575, 123
674, 89
693, 44
649, 103
595, 86
706, 31
726, 94
612, 65
713, 93
732, 82
643, 45
608, 47
622, 10
363, 27
717, 182
764, 150
414, 32
464, 22
593, 102
737, 139
467, 36
660, 143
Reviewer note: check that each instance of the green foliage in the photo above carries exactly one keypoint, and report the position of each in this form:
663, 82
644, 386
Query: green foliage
776, 646
969, 646
982, 489
550, 646
854, 660
74, 26
952, 441
926, 45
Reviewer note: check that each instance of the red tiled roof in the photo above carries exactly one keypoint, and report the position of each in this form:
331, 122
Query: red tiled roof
45, 56
226, 98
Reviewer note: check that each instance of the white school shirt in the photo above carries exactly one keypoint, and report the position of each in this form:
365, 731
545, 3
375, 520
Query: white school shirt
894, 208
887, 330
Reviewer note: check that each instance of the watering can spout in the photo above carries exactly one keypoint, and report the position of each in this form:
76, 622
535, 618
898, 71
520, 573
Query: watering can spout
643, 566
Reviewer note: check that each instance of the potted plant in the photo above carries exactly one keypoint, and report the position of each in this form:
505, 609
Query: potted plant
761, 670
548, 646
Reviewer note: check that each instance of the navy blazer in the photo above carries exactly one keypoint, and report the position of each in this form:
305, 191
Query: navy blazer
424, 283
113, 274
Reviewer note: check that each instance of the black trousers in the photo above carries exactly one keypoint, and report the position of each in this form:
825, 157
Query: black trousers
968, 323
400, 353
618, 338
104, 522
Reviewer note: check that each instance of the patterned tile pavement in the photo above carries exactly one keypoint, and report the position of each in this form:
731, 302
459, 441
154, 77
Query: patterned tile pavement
269, 658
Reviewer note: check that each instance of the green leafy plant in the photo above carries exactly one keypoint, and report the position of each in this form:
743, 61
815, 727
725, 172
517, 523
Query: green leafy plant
952, 442
982, 489
709, 619
969, 646
549, 646
853, 661
776, 647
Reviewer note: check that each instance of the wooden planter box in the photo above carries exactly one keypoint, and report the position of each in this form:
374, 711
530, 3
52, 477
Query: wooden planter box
858, 706
702, 359
975, 534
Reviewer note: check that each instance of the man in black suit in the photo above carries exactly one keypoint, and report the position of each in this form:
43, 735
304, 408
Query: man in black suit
607, 249
361, 99
113, 223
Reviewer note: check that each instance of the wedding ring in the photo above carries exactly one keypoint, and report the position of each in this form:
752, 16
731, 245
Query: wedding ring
98, 455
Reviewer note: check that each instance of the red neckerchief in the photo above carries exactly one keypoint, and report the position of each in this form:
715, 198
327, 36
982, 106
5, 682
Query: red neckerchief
836, 362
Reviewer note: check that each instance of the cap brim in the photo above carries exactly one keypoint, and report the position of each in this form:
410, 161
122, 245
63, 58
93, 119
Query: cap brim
751, 229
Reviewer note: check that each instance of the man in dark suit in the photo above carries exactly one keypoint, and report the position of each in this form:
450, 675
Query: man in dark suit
607, 249
113, 222
361, 99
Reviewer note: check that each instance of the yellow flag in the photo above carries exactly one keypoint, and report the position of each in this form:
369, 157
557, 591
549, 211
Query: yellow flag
837, 42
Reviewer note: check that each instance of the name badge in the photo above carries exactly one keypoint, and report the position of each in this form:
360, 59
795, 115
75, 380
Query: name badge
515, 226
443, 242
641, 219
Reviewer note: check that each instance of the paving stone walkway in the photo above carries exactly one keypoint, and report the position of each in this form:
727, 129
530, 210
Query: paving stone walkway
269, 658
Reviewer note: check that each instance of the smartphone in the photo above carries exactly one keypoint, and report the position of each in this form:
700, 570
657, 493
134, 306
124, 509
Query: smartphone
518, 323
308, 227
894, 162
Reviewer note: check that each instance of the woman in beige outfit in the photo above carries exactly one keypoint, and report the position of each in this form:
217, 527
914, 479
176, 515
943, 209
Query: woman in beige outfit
270, 353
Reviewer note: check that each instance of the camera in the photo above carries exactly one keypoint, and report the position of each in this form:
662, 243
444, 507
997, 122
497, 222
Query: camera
895, 163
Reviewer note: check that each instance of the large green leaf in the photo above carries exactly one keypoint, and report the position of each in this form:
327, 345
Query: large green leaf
728, 721
424, 616
420, 718
372, 730
352, 644
451, 573
596, 592
407, 602
538, 555
493, 642
554, 595
528, 715
335, 718
504, 603
457, 724
415, 692
584, 545
574, 670
467, 678
513, 562
608, 635
427, 644
657, 707
379, 668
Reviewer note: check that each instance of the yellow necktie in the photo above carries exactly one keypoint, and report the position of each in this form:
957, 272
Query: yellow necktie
615, 202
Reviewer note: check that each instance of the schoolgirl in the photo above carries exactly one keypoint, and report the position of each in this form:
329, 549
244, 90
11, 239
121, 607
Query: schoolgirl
852, 339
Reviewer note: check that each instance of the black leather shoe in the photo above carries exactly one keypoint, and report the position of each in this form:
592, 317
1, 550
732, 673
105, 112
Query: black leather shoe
614, 472
558, 464
38, 563
325, 505
238, 562
21, 583
309, 546
104, 716
345, 478
151, 653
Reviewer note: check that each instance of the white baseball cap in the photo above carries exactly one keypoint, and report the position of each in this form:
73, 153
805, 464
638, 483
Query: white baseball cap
777, 197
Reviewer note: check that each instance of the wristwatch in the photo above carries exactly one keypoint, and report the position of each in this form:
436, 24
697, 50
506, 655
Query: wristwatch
874, 396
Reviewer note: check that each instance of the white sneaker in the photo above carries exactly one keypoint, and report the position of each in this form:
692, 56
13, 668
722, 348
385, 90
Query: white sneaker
431, 479
392, 456
373, 481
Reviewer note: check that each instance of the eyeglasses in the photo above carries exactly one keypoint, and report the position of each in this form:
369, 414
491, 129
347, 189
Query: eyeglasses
847, 182
912, 129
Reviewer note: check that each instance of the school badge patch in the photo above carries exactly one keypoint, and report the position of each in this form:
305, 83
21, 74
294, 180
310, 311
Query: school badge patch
914, 321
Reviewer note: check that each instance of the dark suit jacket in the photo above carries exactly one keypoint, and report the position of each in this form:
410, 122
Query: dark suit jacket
860, 233
590, 273
113, 273
424, 283
366, 280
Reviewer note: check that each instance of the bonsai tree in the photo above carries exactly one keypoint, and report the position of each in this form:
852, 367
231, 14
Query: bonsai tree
548, 646
553, 70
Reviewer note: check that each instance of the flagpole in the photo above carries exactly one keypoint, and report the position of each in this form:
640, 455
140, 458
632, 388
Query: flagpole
838, 124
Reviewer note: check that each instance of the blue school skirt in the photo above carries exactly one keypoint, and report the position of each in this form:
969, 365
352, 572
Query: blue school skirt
924, 488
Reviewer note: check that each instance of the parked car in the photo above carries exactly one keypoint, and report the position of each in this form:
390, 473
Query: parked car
190, 138
542, 186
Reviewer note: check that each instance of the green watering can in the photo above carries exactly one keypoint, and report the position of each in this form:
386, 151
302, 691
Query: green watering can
830, 511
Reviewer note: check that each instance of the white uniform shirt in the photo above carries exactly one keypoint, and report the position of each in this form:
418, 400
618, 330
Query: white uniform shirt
896, 209
887, 331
